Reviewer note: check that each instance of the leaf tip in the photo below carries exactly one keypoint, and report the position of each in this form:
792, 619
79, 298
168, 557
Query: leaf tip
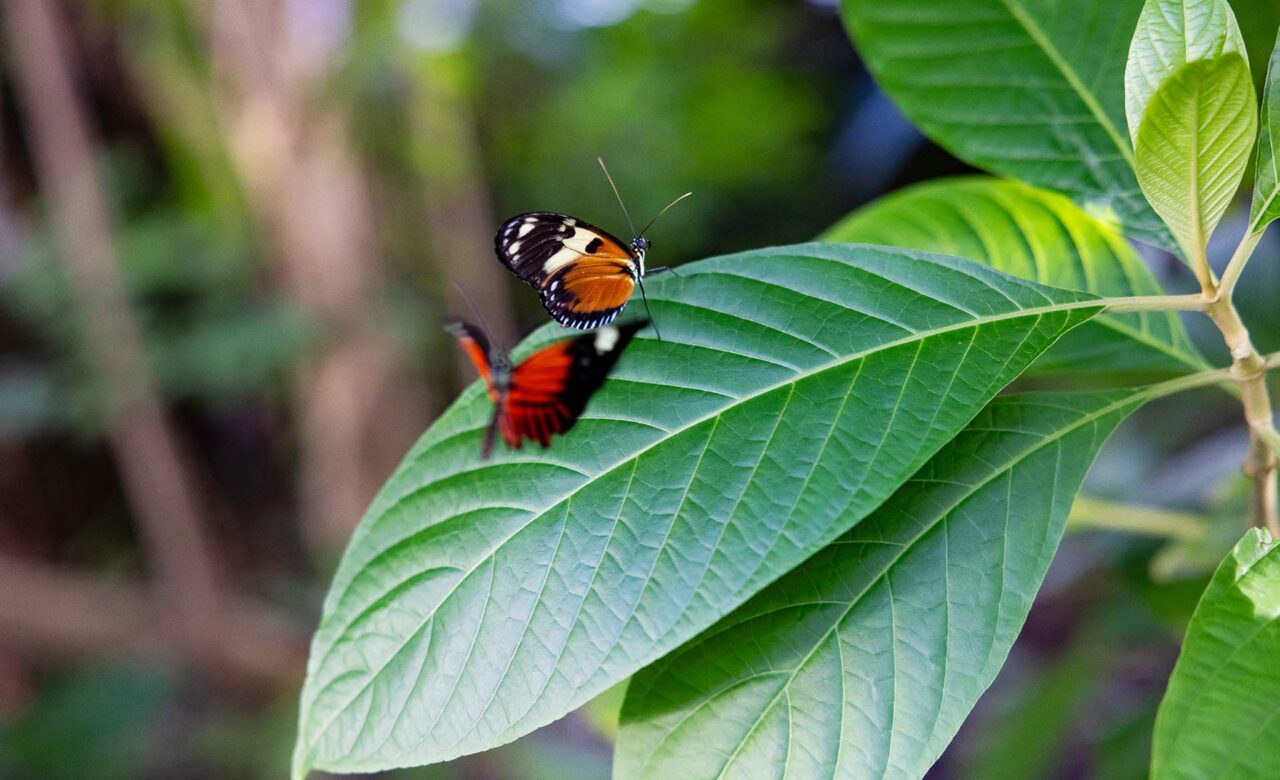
1257, 542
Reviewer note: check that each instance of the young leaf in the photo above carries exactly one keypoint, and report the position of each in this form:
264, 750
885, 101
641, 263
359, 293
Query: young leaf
1170, 34
1266, 185
1044, 237
1032, 90
865, 659
793, 391
1221, 714
1193, 145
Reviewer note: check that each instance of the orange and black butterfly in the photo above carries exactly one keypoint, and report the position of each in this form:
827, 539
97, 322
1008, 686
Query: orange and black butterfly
583, 274
546, 393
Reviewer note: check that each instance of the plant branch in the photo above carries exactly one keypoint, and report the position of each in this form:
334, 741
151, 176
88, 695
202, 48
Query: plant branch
1089, 512
1155, 303
1249, 369
1249, 374
1212, 376
1239, 258
1271, 439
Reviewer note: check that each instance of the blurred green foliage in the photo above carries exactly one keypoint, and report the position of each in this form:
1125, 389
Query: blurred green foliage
748, 103
99, 722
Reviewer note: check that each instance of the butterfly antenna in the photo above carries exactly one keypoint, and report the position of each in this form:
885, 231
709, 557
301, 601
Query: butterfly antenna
475, 310
647, 310
664, 211
625, 213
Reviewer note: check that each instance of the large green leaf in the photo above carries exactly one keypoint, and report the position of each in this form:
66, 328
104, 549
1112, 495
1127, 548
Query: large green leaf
1221, 714
1032, 89
793, 391
864, 661
1266, 185
1169, 34
1042, 236
1193, 145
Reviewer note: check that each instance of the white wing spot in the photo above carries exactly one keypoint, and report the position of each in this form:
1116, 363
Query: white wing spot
513, 247
606, 339
525, 228
572, 247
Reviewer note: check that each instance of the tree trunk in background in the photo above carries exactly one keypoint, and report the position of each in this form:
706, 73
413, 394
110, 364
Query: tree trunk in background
358, 411
143, 441
459, 221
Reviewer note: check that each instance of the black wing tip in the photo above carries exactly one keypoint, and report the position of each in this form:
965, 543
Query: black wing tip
628, 331
630, 328
516, 219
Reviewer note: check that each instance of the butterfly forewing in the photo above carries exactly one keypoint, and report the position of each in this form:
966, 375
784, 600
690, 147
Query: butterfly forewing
475, 344
583, 274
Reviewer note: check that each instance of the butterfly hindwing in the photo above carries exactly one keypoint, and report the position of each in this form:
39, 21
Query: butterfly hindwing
550, 389
583, 274
588, 293
547, 393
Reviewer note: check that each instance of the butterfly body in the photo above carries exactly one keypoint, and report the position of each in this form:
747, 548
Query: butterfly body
547, 392
584, 275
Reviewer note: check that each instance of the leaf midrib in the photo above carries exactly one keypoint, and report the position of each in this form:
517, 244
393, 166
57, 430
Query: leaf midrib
1019, 13
1197, 229
942, 516
1035, 311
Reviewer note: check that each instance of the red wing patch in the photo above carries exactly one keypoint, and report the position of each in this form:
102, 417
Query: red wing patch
549, 390
547, 393
535, 407
476, 345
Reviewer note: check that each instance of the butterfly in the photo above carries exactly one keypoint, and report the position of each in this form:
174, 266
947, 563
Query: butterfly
583, 274
546, 393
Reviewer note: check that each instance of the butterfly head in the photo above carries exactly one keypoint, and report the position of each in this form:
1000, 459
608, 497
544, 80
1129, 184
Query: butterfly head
640, 245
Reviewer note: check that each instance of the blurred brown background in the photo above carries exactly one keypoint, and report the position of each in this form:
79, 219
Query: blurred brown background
229, 232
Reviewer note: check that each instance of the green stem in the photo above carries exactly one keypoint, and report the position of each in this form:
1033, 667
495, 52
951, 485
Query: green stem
1155, 303
1213, 376
1238, 260
1150, 521
1249, 369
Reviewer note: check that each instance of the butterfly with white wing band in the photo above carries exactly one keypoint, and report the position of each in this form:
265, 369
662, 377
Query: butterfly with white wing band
584, 275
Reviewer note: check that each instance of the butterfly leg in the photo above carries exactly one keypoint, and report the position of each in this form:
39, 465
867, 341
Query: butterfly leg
490, 434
